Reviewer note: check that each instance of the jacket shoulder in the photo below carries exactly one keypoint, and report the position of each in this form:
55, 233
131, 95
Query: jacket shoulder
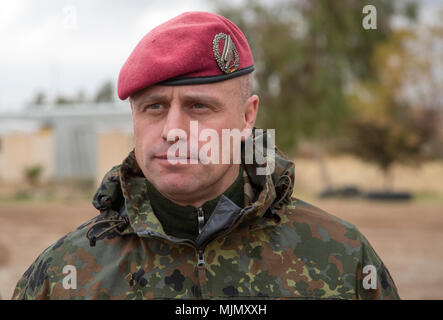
48, 267
324, 236
322, 224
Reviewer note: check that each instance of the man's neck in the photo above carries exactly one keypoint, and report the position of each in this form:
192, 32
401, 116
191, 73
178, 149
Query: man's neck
182, 221
210, 192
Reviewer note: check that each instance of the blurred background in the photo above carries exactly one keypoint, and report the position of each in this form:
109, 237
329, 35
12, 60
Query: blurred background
356, 98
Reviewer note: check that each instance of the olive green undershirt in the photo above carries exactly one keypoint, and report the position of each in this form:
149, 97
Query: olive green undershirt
181, 221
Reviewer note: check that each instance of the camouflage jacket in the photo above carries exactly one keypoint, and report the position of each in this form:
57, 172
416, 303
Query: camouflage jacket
275, 247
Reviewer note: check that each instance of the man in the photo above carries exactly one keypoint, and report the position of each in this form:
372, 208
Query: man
172, 225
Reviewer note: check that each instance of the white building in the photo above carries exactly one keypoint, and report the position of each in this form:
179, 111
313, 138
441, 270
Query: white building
69, 142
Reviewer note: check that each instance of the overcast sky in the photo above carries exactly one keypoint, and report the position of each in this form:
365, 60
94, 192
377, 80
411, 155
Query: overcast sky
61, 47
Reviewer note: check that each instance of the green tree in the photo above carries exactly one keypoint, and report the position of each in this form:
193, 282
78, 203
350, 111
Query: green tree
306, 53
385, 141
396, 117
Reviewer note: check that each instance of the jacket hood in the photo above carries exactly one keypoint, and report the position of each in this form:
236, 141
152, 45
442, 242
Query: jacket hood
122, 194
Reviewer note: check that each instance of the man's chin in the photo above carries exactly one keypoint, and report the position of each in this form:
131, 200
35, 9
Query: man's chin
177, 190
176, 183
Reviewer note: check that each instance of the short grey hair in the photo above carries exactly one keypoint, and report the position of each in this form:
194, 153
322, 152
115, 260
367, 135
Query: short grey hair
246, 86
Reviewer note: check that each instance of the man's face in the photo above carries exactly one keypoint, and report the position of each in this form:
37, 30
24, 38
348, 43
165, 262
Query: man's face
159, 109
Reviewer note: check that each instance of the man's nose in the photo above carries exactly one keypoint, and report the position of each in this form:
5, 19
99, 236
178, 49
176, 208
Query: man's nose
176, 123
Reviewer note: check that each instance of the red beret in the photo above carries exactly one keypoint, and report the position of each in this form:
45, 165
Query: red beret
192, 48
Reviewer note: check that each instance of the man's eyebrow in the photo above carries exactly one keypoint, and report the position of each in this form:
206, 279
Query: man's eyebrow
151, 98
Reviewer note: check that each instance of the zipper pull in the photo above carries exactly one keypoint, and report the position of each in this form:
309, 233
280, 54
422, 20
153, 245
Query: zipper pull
201, 219
200, 259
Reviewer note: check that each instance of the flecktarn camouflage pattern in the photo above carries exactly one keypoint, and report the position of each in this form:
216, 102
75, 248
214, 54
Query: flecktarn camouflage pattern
276, 247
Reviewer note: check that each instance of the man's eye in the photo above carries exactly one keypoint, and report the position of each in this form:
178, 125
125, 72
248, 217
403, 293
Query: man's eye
199, 106
152, 107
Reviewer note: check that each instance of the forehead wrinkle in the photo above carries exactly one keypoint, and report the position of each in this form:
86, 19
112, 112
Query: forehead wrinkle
153, 93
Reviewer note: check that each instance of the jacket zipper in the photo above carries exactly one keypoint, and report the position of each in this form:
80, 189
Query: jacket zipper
201, 223
201, 264
201, 219
200, 258
191, 243
200, 251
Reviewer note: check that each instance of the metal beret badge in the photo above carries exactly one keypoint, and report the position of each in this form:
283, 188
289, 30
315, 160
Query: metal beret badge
229, 53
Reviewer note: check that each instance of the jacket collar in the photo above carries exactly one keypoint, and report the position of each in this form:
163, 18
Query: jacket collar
123, 192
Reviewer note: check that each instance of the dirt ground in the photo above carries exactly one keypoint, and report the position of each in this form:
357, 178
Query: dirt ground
407, 236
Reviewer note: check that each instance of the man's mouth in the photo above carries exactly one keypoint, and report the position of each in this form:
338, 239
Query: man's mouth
173, 159
162, 157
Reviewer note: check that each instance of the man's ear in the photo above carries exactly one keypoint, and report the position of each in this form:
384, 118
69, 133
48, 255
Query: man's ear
250, 108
